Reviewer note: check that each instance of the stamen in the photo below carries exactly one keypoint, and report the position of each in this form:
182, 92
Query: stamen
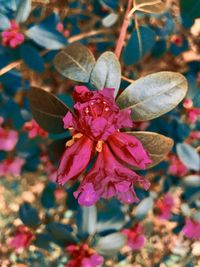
71, 142
99, 146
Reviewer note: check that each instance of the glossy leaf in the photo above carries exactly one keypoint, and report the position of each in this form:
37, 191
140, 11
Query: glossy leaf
110, 20
157, 145
150, 6
107, 72
32, 58
47, 110
75, 62
189, 156
192, 180
4, 22
139, 44
111, 244
23, 11
154, 95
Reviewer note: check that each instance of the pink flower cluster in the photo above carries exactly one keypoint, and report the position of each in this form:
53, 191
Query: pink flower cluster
12, 37
192, 113
135, 235
11, 166
83, 256
22, 238
176, 167
192, 229
96, 125
34, 129
164, 206
8, 138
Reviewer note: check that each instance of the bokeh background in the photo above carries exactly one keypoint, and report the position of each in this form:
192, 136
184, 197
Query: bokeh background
41, 223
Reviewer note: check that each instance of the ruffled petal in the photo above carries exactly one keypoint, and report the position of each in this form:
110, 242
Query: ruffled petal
124, 119
74, 160
129, 149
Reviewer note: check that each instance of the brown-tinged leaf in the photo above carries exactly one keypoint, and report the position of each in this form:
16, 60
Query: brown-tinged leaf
47, 110
150, 6
157, 145
75, 62
153, 95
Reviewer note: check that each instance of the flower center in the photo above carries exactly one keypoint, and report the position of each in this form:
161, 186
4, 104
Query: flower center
97, 108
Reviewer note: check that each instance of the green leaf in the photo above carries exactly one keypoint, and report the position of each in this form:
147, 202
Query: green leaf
23, 11
28, 215
111, 244
75, 62
47, 110
88, 220
154, 95
139, 44
157, 145
107, 72
150, 6
189, 156
192, 180
144, 207
4, 22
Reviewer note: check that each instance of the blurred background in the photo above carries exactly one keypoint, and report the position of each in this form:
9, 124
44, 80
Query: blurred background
41, 223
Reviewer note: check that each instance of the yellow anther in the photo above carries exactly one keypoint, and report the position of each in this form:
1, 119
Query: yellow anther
99, 146
71, 142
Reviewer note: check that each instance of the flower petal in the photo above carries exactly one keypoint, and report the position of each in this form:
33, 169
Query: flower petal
129, 149
74, 160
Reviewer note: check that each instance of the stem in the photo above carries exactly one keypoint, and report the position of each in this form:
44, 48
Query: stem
123, 31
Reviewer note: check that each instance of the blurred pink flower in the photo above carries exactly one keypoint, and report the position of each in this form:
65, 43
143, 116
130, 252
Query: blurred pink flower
96, 125
8, 138
22, 238
83, 256
192, 113
135, 235
195, 135
164, 206
192, 229
12, 37
176, 167
34, 129
11, 166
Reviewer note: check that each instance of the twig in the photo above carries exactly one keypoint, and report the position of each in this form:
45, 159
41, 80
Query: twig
123, 31
127, 79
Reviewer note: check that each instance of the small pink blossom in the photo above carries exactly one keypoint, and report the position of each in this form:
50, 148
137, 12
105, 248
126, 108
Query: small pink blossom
22, 238
177, 39
135, 235
83, 256
176, 167
164, 206
8, 138
192, 113
11, 166
96, 125
192, 229
34, 129
194, 135
12, 37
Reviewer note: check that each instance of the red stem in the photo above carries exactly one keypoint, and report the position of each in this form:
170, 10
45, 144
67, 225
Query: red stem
123, 31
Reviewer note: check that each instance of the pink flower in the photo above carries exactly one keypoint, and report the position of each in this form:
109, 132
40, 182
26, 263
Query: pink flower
22, 238
83, 256
192, 229
11, 166
96, 125
135, 235
12, 37
195, 135
192, 113
8, 138
176, 167
34, 129
164, 206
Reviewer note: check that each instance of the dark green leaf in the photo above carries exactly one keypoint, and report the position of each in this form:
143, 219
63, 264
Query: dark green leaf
88, 220
28, 215
47, 110
140, 43
107, 72
143, 208
4, 22
23, 11
154, 95
75, 62
48, 197
189, 156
